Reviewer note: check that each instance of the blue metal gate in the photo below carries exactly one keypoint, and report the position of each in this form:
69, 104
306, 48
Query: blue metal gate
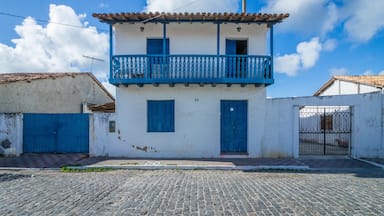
56, 133
233, 126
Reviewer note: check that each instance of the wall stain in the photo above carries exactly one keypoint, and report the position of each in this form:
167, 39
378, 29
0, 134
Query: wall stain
145, 148
6, 144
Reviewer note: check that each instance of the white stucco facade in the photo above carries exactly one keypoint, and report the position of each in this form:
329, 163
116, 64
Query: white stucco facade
186, 38
272, 124
341, 87
197, 122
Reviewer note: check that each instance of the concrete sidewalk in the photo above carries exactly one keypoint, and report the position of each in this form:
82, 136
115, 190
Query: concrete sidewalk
230, 164
53, 161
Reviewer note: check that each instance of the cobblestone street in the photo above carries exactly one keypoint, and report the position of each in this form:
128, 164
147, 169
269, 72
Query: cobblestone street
175, 192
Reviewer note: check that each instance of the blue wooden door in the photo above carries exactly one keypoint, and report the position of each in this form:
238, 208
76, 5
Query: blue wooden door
56, 133
236, 60
157, 64
233, 126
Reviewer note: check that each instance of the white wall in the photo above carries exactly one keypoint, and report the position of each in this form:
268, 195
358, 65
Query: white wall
340, 87
101, 140
197, 121
282, 123
273, 124
59, 95
11, 129
186, 38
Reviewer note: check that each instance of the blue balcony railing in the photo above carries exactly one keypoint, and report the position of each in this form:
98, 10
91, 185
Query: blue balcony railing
172, 69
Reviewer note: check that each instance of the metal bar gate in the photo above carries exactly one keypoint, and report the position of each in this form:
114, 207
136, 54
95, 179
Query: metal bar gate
325, 130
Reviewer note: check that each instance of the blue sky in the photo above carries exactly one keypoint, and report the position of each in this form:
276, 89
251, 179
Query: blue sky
321, 38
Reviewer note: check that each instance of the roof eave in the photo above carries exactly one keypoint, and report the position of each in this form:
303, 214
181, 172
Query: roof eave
325, 86
113, 18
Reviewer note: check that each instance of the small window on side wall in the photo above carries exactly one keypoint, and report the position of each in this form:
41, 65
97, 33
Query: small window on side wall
161, 116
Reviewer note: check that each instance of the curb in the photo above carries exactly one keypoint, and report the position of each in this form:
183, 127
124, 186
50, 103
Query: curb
197, 167
28, 169
370, 162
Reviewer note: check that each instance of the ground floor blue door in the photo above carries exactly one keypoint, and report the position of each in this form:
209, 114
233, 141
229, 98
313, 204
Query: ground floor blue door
56, 133
233, 126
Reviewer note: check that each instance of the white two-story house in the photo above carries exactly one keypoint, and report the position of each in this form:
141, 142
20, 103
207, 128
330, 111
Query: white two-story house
190, 84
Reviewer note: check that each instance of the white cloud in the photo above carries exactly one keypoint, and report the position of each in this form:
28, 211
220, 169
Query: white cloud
56, 48
192, 6
309, 52
338, 71
363, 18
309, 17
306, 56
288, 64
103, 5
329, 45
331, 19
371, 72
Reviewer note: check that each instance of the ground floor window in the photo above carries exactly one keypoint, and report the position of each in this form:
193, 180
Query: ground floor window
161, 116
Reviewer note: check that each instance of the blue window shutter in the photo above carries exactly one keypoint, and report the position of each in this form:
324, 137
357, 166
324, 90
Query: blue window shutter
230, 47
161, 116
230, 62
155, 46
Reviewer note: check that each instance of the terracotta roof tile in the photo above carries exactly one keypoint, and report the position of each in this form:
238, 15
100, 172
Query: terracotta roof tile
190, 17
107, 107
28, 77
377, 81
15, 77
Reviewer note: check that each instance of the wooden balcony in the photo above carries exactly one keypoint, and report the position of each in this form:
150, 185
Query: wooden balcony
191, 69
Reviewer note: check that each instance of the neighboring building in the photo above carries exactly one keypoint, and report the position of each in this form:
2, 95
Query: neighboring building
50, 92
342, 85
104, 108
190, 84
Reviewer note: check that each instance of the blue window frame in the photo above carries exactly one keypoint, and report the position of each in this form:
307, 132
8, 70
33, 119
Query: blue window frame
161, 116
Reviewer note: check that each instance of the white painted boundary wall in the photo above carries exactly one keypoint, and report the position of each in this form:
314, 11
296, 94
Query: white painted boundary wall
273, 125
101, 140
11, 129
282, 123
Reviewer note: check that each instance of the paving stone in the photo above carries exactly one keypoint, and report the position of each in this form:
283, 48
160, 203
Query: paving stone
175, 192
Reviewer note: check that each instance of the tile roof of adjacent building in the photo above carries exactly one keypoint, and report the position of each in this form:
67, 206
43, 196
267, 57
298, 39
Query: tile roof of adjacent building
28, 77
371, 80
190, 17
107, 107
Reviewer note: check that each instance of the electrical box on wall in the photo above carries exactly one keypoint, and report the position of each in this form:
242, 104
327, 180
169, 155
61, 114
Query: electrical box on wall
112, 126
